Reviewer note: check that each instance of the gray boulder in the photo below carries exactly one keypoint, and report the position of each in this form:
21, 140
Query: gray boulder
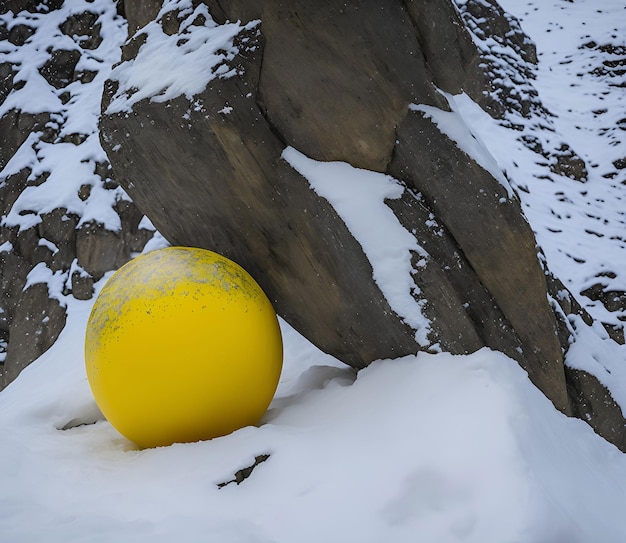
336, 82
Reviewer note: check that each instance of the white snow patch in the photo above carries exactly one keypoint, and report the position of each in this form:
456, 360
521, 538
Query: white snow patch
43, 242
6, 247
58, 168
68, 167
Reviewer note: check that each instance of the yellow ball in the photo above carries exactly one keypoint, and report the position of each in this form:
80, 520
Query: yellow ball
182, 345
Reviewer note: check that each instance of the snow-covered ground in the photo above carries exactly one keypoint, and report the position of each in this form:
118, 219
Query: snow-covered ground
581, 81
433, 448
429, 448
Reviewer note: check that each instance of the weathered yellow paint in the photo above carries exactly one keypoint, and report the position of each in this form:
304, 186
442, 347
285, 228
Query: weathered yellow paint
182, 345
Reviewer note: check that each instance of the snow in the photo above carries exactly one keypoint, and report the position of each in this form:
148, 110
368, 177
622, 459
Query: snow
432, 447
424, 448
55, 281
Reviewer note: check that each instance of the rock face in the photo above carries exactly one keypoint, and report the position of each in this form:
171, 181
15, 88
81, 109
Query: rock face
51, 254
492, 233
336, 82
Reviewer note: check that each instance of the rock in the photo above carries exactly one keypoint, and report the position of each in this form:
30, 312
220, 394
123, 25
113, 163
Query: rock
328, 75
14, 270
98, 249
82, 284
7, 73
301, 83
86, 26
58, 70
34, 6
613, 300
36, 324
447, 46
74, 251
490, 230
59, 228
20, 33
567, 163
593, 403
134, 237
15, 127
461, 309
11, 188
620, 163
138, 13
590, 400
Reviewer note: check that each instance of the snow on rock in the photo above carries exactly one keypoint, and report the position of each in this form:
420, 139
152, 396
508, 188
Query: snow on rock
452, 124
593, 351
68, 159
67, 167
54, 280
168, 66
58, 202
359, 197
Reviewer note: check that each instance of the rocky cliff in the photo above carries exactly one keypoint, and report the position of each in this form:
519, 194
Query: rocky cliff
218, 122
65, 219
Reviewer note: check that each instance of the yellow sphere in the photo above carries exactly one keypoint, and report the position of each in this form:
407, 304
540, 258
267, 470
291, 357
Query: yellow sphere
182, 345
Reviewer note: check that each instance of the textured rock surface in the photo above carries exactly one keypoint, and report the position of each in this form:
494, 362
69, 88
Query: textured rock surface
492, 233
37, 320
47, 255
335, 92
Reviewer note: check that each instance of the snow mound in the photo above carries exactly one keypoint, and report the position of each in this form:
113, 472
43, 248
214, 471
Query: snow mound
424, 448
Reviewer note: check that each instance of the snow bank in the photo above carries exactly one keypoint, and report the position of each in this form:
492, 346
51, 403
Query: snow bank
429, 448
